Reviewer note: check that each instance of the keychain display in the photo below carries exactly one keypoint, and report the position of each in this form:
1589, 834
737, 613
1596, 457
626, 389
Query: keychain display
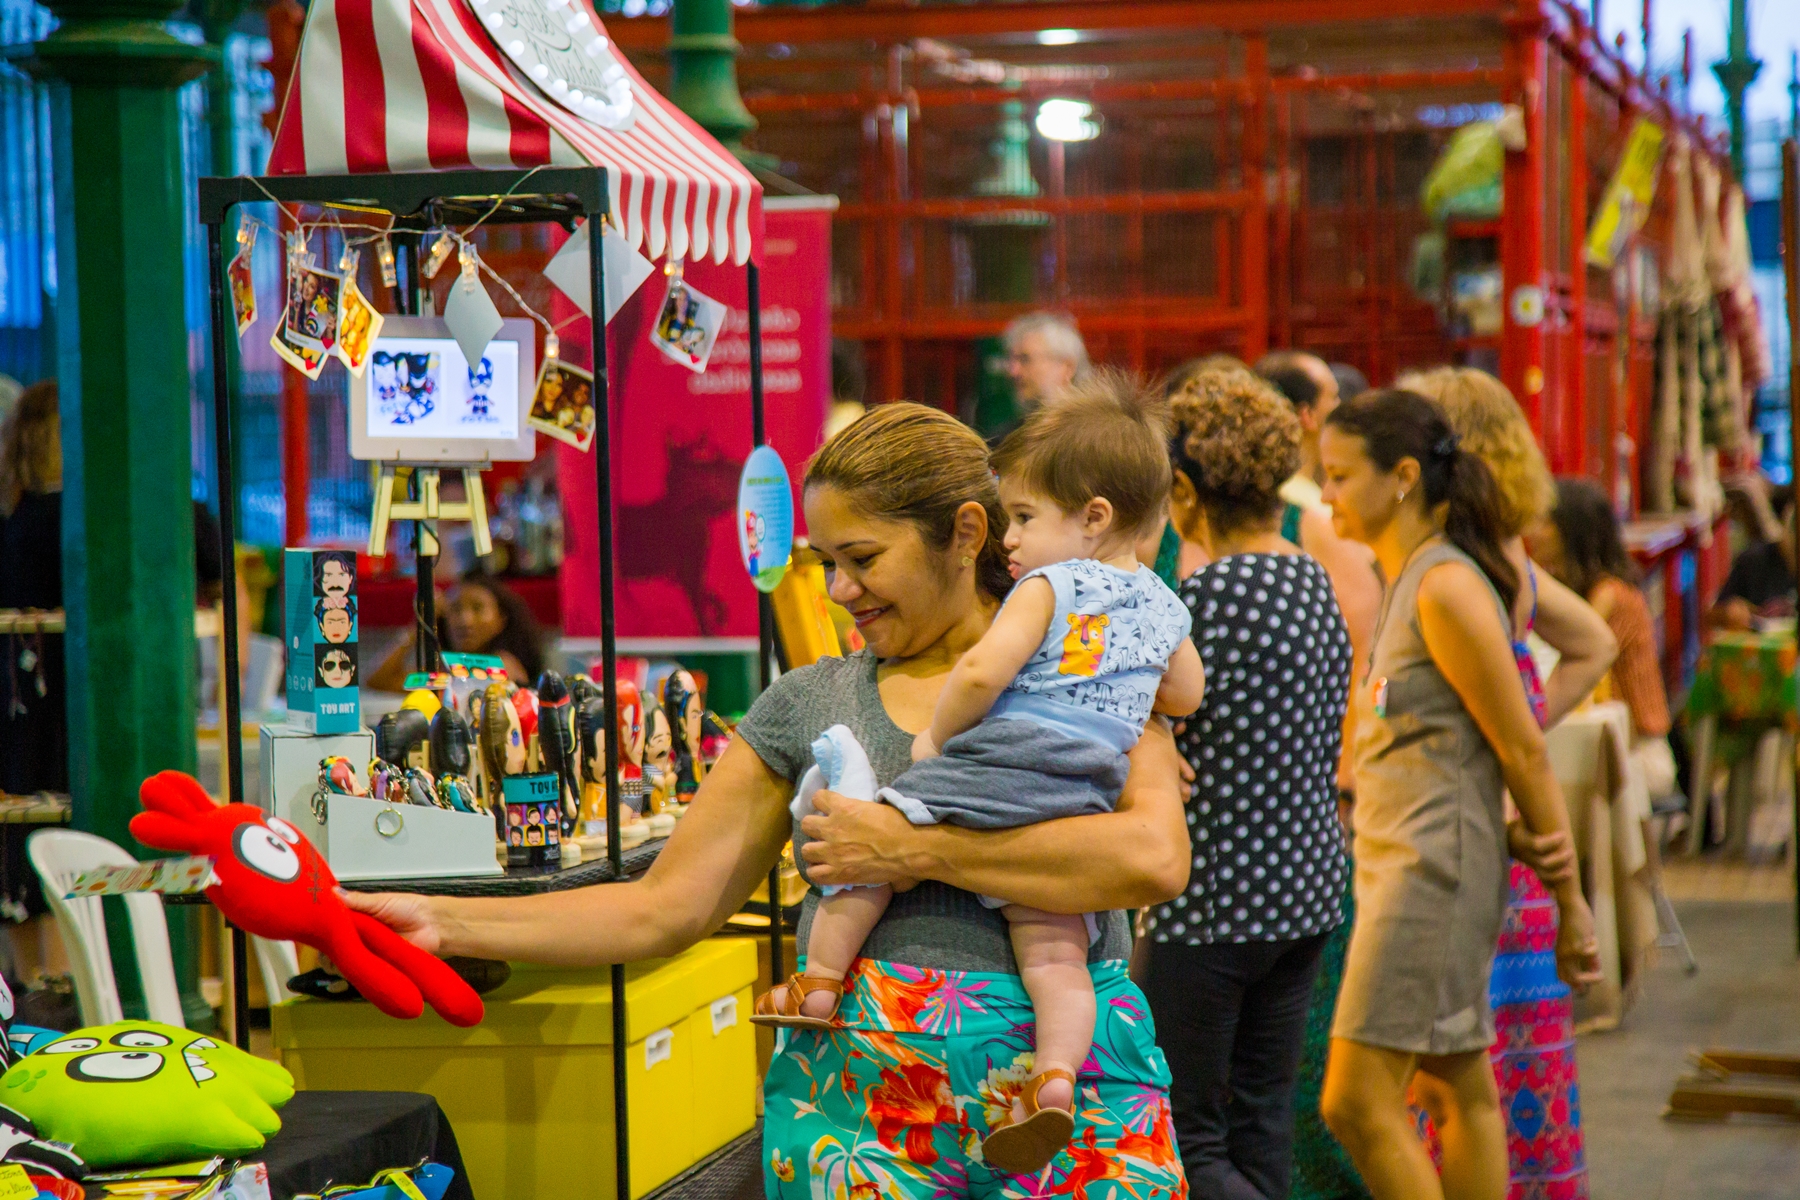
534, 759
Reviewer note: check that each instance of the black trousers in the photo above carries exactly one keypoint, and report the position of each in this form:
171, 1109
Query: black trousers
1230, 1018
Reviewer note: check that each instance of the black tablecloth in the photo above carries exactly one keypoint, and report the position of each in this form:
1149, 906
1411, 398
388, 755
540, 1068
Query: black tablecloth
332, 1138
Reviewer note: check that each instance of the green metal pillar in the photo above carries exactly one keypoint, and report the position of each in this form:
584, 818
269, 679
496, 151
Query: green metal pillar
128, 549
216, 20
1736, 73
703, 75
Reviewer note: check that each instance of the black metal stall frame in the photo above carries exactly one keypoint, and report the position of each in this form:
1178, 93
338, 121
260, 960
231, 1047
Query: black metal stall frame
418, 202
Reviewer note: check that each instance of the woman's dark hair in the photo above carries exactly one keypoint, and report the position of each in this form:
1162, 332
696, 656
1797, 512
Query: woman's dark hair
1589, 529
1395, 424
908, 462
521, 635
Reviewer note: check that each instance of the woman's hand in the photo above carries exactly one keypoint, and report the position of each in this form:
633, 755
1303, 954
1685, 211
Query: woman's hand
1577, 949
856, 841
407, 915
1551, 857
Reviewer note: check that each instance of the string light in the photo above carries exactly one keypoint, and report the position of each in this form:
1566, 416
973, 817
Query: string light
384, 255
440, 250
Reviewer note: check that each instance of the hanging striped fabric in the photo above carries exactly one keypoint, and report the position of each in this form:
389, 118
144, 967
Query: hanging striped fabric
415, 85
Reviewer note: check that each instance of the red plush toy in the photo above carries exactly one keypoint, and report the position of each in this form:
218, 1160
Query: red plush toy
273, 884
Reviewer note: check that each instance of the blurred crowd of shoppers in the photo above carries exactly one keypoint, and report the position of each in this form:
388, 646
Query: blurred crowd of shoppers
1370, 973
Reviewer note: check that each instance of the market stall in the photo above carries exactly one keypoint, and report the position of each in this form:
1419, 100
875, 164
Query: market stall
491, 116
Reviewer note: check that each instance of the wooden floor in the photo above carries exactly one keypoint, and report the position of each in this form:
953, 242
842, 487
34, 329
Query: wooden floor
1714, 877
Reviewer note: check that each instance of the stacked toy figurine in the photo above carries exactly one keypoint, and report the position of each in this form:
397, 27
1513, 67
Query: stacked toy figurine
457, 743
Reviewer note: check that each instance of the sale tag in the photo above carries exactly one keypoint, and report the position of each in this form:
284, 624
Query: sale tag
15, 1184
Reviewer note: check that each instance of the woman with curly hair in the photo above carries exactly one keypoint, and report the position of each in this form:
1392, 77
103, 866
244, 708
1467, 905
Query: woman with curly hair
1231, 962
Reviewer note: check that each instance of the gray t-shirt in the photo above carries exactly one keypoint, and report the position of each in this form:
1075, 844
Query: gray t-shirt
934, 925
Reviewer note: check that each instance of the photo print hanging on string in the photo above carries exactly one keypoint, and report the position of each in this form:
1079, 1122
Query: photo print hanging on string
688, 325
304, 359
241, 281
358, 327
563, 404
312, 308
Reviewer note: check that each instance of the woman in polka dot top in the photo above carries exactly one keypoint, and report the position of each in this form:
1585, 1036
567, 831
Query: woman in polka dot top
1232, 962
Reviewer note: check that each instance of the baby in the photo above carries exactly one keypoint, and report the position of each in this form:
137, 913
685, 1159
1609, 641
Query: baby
1034, 722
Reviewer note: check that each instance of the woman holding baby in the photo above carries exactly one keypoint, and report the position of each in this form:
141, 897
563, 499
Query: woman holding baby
931, 1032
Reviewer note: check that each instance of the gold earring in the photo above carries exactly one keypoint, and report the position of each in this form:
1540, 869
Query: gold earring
1402, 497
967, 561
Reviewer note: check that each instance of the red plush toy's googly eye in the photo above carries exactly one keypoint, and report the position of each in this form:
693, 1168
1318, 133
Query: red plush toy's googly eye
287, 832
257, 847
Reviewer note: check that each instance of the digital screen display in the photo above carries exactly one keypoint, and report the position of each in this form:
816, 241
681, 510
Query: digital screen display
424, 388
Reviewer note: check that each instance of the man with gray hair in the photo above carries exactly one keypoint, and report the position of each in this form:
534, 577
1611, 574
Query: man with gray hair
1044, 355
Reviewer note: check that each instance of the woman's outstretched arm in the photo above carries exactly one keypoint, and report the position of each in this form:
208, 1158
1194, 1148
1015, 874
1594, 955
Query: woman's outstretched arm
732, 834
1139, 854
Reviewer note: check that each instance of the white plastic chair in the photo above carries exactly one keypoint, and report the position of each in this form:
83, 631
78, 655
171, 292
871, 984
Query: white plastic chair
61, 855
278, 962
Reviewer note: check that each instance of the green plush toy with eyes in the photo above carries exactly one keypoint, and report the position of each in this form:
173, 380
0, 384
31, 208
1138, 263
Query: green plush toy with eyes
139, 1093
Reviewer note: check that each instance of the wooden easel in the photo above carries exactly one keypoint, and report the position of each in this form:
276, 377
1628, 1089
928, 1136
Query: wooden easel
428, 507
1724, 1082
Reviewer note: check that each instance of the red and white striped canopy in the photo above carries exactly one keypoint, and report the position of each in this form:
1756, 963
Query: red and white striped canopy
414, 85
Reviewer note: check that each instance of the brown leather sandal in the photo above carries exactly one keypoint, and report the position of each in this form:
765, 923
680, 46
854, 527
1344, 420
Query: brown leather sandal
1027, 1147
788, 1014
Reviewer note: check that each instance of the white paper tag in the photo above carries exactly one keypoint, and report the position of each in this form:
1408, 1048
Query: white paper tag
724, 1014
470, 316
248, 1182
658, 1047
626, 269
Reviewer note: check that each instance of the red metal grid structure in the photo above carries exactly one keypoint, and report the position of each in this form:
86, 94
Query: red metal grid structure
1256, 183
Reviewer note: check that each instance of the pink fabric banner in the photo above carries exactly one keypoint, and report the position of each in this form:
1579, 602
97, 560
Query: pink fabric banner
680, 439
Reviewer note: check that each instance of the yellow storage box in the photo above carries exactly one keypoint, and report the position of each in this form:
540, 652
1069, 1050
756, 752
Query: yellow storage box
721, 1039
529, 1090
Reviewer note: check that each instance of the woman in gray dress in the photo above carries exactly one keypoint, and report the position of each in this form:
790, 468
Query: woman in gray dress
1444, 725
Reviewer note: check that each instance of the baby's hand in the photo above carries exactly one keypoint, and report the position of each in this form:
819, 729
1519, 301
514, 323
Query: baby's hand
923, 747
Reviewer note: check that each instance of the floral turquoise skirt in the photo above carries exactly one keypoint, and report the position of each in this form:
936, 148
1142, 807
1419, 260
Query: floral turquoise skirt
894, 1104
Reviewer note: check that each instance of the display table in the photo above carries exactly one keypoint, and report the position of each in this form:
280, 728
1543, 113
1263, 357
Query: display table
1590, 753
527, 1089
1743, 687
521, 881
335, 1138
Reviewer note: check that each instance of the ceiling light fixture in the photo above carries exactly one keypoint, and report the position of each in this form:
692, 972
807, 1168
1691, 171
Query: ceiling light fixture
1063, 120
